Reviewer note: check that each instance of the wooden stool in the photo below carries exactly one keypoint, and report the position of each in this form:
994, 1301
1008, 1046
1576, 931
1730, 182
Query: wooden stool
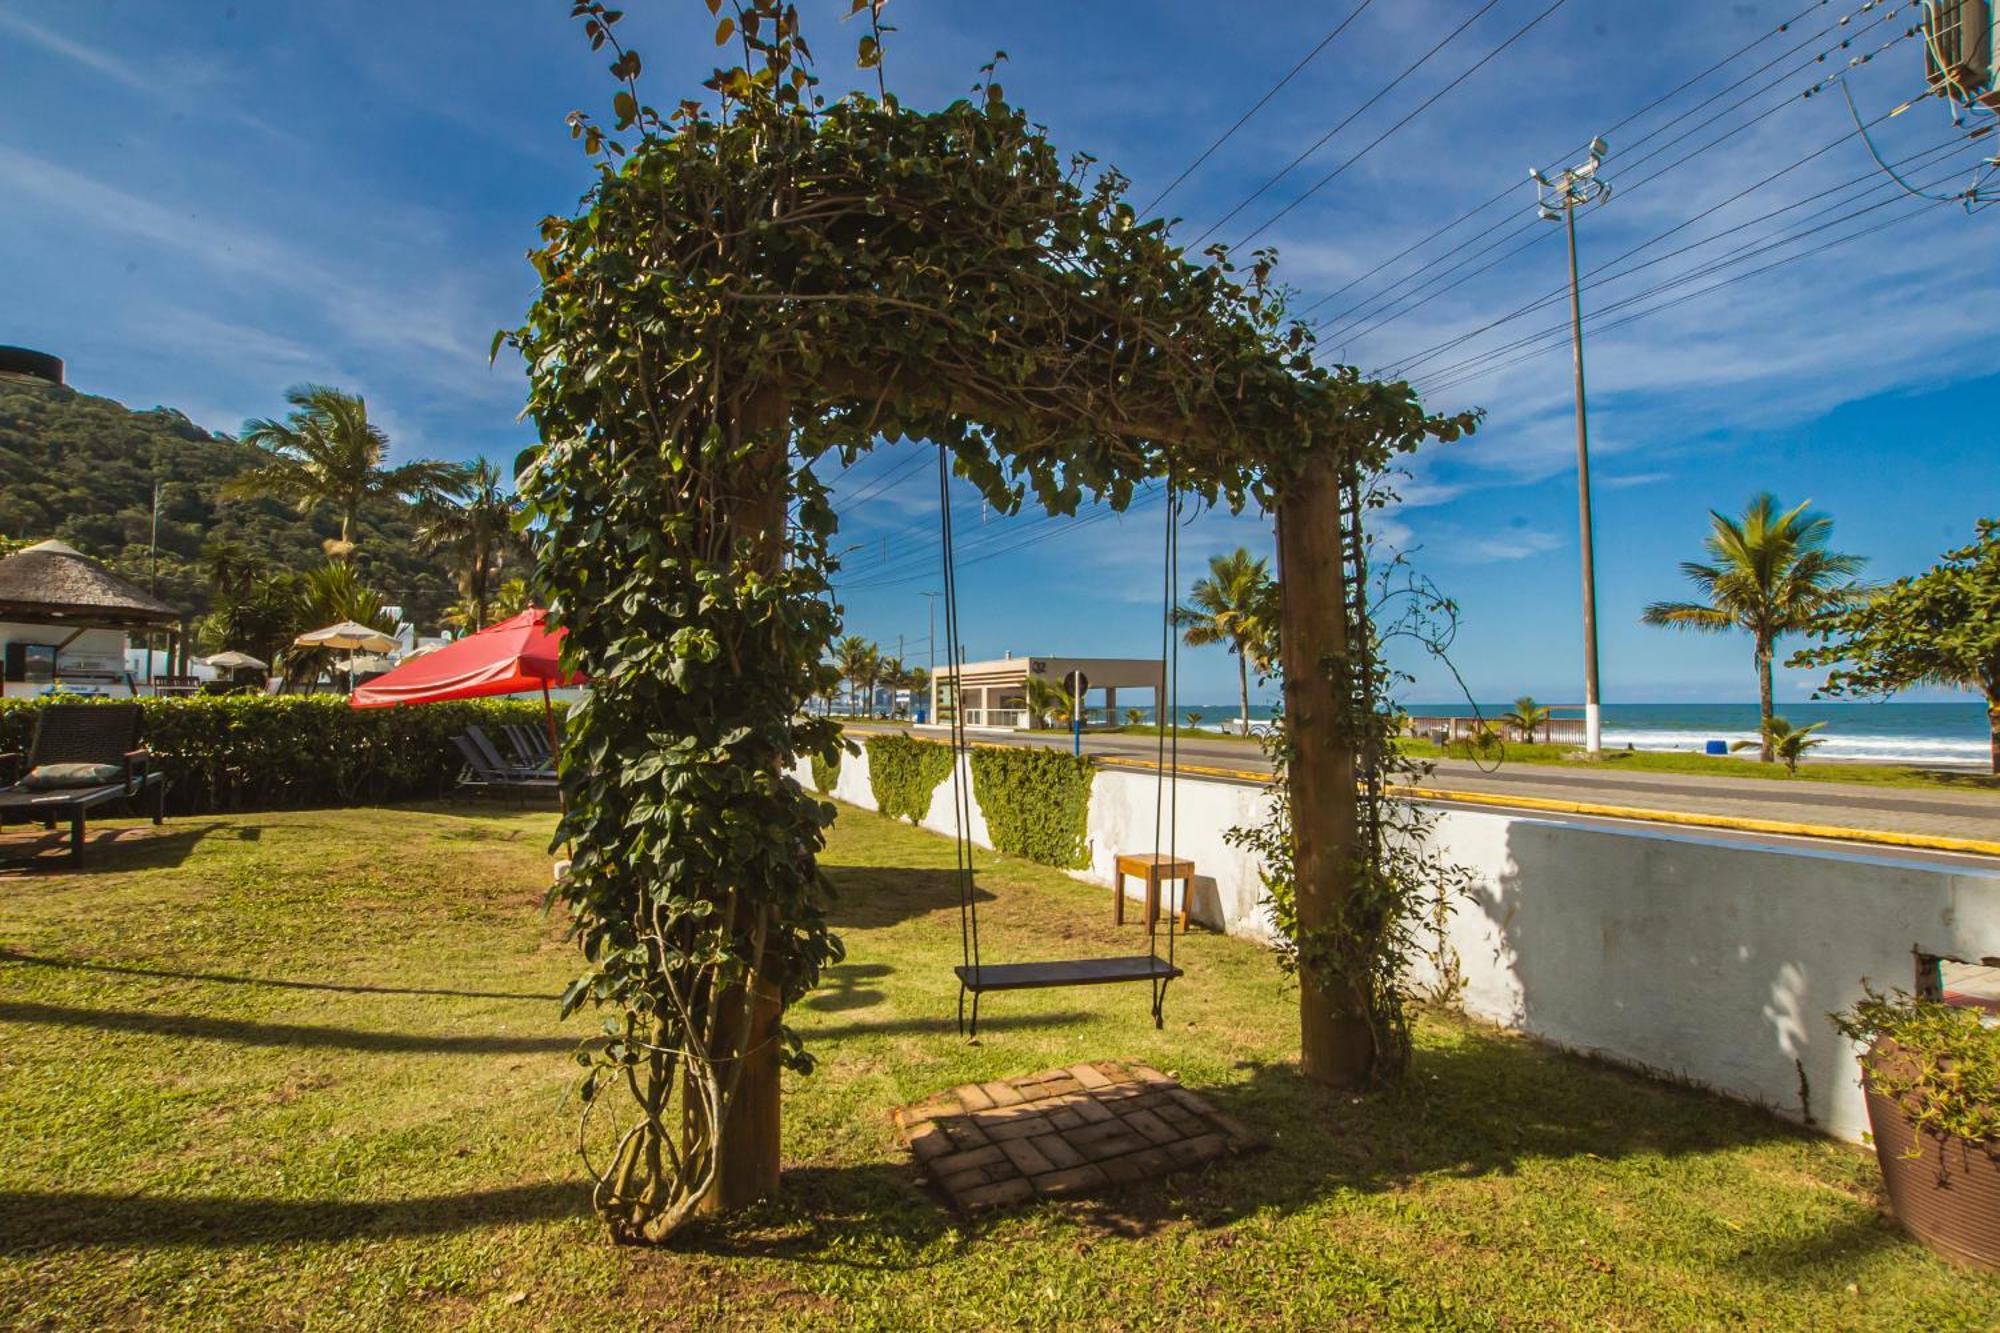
1154, 869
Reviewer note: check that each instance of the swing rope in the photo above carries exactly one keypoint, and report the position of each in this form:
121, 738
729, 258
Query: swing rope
1167, 760
961, 759
975, 977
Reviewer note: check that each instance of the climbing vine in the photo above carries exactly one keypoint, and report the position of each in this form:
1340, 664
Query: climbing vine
903, 772
1036, 803
759, 280
1392, 924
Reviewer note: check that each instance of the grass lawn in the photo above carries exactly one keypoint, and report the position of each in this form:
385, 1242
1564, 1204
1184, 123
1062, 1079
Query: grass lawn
1719, 766
304, 1070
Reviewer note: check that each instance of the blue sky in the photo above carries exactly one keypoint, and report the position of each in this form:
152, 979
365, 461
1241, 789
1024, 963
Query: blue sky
207, 203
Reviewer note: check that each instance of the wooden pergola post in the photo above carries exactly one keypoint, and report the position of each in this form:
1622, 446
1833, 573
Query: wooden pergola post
1336, 1041
747, 1169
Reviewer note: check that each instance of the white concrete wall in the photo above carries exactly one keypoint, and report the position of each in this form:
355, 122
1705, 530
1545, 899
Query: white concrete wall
1708, 959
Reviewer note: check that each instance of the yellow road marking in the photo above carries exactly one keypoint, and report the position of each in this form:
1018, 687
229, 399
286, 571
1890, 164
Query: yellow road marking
1786, 828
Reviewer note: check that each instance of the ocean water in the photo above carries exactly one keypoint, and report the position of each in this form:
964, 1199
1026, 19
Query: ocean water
1884, 733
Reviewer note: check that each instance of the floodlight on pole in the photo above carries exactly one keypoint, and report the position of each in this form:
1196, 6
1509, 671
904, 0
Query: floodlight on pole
1557, 201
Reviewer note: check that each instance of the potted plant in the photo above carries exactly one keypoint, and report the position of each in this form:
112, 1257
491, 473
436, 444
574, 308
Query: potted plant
1931, 1072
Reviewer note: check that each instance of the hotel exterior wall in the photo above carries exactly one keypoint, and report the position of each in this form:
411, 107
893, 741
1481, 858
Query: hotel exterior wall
1711, 960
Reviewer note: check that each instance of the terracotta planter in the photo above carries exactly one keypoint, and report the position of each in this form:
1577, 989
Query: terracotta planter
1948, 1194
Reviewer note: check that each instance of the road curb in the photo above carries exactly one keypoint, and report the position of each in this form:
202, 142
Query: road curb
1681, 819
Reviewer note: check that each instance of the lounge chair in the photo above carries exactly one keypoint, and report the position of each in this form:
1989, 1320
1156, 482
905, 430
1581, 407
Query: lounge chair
482, 773
530, 747
84, 756
477, 735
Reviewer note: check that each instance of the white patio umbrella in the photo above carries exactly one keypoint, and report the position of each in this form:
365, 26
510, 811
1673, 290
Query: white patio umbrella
235, 661
352, 636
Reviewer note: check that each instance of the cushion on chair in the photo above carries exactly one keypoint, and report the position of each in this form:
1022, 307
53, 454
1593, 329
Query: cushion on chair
59, 777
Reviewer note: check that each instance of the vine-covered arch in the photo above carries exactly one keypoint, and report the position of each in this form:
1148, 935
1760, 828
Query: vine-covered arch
766, 280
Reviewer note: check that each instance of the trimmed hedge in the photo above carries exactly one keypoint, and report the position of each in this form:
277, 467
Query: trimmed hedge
265, 752
1037, 803
903, 772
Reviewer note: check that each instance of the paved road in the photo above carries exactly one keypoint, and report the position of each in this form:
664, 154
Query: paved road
1943, 813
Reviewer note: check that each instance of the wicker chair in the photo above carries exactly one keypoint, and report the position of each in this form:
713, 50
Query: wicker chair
82, 734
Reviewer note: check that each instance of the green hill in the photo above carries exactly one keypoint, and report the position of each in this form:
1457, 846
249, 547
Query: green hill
81, 468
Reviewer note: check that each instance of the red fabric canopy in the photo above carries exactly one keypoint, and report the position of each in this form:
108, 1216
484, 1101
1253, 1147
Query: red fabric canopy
512, 657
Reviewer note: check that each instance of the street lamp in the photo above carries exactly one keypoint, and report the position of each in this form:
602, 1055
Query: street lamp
1558, 201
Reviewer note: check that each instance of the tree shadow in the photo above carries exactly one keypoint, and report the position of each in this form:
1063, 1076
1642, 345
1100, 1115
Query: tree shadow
943, 1026
231, 979
867, 897
33, 1221
1480, 1108
244, 1032
819, 1207
841, 987
109, 851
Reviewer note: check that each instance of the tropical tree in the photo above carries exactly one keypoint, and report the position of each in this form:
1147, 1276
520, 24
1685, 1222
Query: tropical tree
1193, 717
327, 596
1134, 716
1046, 700
1228, 606
473, 526
856, 659
1527, 717
890, 673
511, 598
1940, 628
327, 452
1768, 574
1789, 743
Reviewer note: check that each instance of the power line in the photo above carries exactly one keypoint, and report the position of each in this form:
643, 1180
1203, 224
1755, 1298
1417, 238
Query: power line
1350, 331
1244, 119
1413, 360
1422, 107
1453, 377
1684, 159
1509, 190
1323, 139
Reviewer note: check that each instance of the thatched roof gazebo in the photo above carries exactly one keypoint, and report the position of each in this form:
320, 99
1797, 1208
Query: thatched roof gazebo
54, 584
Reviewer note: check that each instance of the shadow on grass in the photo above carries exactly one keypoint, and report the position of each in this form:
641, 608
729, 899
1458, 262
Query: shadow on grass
943, 1026
32, 1221
820, 1211
1486, 1107
244, 1032
232, 979
867, 897
111, 850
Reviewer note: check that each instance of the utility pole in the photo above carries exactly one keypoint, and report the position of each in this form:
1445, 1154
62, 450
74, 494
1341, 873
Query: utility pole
153, 560
1558, 201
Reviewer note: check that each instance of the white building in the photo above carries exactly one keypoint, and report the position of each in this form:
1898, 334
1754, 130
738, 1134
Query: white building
995, 693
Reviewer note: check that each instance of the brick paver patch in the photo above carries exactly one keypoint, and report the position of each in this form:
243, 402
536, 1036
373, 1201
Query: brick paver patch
1079, 1130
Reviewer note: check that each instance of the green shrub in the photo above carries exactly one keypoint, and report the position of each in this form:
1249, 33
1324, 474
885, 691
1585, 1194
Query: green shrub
1037, 803
903, 772
825, 775
1943, 1068
264, 752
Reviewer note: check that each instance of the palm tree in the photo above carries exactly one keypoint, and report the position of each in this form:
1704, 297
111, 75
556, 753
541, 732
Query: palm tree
889, 671
1769, 575
1789, 742
1045, 698
1134, 716
326, 596
1229, 607
855, 658
1527, 717
511, 598
474, 525
327, 452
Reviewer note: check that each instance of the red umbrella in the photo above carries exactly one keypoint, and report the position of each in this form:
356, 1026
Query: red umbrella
515, 656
